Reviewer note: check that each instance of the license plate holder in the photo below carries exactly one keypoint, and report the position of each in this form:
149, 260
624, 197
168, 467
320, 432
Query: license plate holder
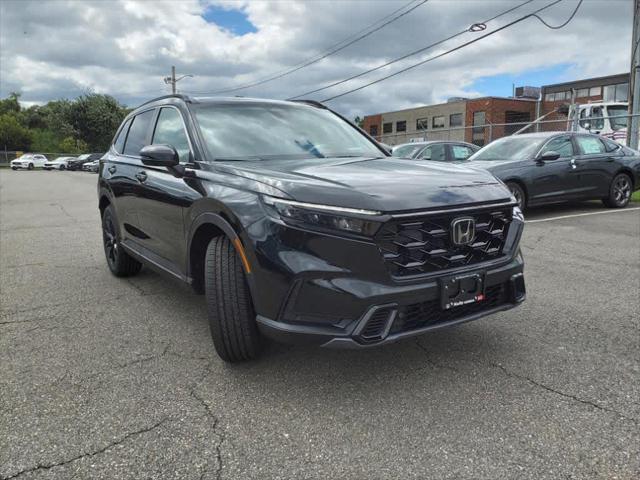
459, 290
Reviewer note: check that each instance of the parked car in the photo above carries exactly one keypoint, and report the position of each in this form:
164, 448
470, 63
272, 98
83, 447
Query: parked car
555, 167
436, 150
29, 161
59, 163
82, 159
91, 166
298, 226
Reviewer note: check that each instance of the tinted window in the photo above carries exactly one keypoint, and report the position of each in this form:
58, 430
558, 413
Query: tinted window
137, 137
119, 143
562, 145
434, 152
461, 152
170, 131
590, 145
401, 126
610, 145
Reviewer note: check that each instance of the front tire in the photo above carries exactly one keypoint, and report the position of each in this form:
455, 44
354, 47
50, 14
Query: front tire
62, 167
31, 166
619, 191
120, 262
518, 192
14, 168
232, 320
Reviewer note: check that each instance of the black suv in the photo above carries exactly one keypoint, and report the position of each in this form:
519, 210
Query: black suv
298, 226
77, 163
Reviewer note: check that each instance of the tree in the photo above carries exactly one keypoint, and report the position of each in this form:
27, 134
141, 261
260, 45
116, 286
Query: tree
14, 136
10, 104
73, 145
95, 118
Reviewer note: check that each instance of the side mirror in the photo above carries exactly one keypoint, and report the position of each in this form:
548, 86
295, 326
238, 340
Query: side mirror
160, 156
586, 125
547, 156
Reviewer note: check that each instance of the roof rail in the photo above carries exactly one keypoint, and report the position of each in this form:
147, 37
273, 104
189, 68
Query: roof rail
181, 96
313, 103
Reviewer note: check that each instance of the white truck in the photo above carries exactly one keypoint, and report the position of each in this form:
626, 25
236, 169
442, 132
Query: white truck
607, 119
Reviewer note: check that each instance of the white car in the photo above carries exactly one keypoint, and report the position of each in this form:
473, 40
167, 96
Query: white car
29, 161
59, 163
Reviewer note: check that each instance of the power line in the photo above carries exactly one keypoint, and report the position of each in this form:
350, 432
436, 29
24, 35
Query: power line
565, 23
474, 28
332, 50
459, 47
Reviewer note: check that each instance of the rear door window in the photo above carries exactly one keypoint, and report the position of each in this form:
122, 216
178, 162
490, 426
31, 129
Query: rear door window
590, 145
138, 132
461, 152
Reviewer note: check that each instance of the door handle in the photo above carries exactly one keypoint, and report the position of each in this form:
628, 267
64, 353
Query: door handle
112, 169
141, 176
573, 163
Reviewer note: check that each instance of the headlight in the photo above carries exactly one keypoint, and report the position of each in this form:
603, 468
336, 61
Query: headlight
323, 217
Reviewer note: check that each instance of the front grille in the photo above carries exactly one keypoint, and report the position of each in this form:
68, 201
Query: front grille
423, 244
419, 315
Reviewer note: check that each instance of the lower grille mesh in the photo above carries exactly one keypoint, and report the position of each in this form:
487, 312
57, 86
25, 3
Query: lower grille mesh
419, 315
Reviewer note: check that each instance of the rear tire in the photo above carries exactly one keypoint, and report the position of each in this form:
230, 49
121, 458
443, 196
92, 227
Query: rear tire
620, 191
518, 192
119, 261
14, 168
62, 167
232, 320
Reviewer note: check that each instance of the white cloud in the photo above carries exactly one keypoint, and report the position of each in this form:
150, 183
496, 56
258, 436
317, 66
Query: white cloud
61, 48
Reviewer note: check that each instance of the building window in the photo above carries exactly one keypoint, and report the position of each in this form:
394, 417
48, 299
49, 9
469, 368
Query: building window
478, 119
548, 97
401, 126
422, 123
616, 93
387, 127
438, 122
582, 92
455, 120
373, 130
595, 91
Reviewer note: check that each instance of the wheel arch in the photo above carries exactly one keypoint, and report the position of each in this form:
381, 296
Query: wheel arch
522, 185
629, 172
205, 227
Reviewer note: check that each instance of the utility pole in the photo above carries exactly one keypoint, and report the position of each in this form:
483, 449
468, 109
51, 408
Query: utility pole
172, 80
634, 81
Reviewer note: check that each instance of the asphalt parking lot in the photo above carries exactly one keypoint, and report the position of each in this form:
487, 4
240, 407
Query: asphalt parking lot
111, 378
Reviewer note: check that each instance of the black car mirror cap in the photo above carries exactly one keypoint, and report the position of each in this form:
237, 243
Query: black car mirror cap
548, 155
159, 156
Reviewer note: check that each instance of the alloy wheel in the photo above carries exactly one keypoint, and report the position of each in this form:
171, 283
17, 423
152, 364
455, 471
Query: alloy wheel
110, 240
621, 190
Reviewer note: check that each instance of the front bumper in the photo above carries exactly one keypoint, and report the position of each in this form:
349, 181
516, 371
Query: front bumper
395, 312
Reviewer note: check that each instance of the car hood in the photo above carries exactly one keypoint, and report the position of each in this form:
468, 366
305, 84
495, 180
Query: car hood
383, 184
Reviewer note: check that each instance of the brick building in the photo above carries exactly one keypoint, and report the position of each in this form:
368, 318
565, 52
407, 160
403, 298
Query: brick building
493, 111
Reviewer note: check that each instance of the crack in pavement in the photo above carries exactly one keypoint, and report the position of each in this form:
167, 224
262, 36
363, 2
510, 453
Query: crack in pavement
561, 393
532, 382
216, 421
47, 466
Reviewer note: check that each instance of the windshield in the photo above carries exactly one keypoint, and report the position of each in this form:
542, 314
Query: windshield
261, 131
83, 157
405, 150
509, 148
27, 156
617, 119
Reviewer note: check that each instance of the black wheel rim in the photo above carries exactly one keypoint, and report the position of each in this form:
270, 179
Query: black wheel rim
110, 240
518, 194
621, 190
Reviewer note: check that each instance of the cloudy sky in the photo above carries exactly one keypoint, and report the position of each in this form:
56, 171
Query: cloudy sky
54, 49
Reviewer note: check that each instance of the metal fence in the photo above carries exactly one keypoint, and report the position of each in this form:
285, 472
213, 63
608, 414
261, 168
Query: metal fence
483, 134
